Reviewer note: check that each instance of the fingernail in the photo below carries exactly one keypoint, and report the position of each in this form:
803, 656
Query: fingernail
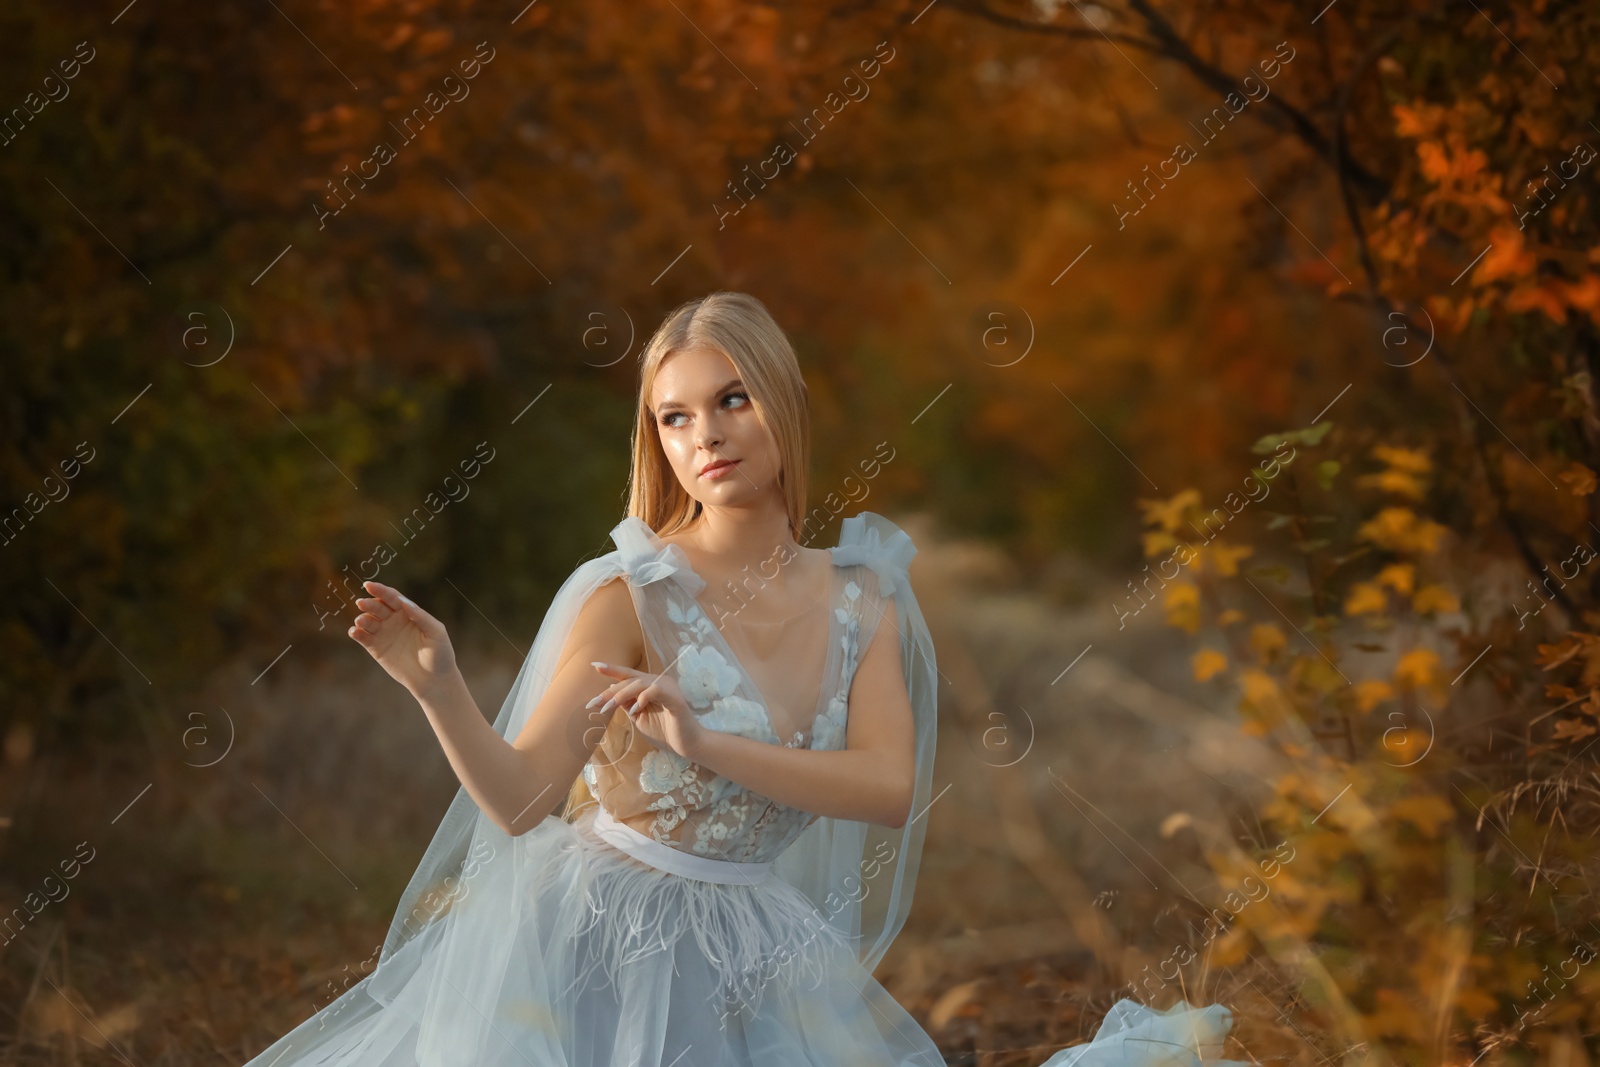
607, 706
592, 702
597, 663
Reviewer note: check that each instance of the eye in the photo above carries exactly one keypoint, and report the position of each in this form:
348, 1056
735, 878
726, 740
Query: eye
742, 398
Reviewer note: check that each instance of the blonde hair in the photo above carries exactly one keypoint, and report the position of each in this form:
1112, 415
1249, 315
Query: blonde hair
740, 327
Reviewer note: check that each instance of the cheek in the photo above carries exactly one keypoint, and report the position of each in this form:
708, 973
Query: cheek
682, 451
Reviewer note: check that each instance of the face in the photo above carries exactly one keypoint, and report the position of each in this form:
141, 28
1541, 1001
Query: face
703, 416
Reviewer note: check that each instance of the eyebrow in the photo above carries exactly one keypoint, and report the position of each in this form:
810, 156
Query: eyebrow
674, 404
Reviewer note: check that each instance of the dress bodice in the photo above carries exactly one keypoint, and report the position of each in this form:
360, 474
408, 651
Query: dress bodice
782, 683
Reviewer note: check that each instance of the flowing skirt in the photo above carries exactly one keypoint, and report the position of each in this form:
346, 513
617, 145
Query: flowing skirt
607, 961
592, 957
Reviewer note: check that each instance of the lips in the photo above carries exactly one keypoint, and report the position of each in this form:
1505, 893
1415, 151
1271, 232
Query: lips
714, 469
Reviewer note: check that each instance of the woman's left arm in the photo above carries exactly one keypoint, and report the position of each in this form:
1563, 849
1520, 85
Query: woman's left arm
870, 780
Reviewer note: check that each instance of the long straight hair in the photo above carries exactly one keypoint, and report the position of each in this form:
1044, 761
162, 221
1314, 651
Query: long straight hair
740, 327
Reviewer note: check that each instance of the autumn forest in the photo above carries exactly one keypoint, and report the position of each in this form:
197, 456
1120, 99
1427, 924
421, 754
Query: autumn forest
1236, 366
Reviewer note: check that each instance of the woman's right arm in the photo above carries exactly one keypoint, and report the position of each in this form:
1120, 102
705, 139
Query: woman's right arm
517, 784
561, 732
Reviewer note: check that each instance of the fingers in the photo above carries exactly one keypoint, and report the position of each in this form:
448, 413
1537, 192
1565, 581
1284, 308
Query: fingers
624, 695
398, 603
364, 628
641, 701
603, 694
614, 670
386, 593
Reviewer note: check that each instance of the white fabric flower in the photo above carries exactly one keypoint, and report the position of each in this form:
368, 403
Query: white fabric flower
704, 675
691, 617
734, 715
829, 731
662, 771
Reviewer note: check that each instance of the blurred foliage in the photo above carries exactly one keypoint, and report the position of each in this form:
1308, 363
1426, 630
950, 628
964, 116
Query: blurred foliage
1389, 266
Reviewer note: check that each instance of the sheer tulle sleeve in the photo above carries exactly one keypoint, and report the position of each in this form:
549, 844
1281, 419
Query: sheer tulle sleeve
861, 875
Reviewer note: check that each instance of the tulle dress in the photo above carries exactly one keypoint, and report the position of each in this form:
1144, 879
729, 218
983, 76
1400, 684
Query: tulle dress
683, 919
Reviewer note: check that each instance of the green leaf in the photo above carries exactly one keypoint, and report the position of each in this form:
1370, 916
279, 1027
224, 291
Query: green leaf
1309, 437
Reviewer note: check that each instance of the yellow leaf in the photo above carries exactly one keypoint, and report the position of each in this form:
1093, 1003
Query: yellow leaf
1365, 598
1182, 603
1405, 459
1168, 514
1401, 577
1427, 813
1266, 638
1435, 598
1416, 668
1233, 947
1229, 617
1158, 541
1208, 662
1261, 693
1224, 559
1398, 482
1402, 530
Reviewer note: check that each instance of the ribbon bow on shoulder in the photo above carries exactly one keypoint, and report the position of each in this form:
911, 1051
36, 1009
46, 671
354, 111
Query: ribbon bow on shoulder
864, 542
646, 563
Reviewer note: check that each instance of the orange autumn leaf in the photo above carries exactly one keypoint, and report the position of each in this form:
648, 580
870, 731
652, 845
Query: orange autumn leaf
1508, 257
1579, 478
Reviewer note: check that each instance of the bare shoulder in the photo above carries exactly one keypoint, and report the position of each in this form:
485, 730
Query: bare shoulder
609, 617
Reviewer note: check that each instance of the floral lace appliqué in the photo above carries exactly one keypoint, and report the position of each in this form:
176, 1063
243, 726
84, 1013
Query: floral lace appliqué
830, 728
731, 822
678, 782
704, 675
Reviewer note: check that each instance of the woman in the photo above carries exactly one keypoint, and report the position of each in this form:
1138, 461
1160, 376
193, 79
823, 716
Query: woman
742, 730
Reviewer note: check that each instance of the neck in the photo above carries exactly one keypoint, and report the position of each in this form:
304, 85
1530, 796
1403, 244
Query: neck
741, 542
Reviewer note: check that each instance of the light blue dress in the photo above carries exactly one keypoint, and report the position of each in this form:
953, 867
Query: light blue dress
684, 920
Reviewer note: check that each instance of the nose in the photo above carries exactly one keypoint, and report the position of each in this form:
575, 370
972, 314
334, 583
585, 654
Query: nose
707, 434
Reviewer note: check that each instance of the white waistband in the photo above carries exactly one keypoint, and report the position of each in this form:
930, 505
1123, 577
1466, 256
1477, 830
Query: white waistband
664, 857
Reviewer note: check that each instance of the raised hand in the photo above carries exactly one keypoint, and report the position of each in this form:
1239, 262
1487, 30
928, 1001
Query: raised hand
405, 640
655, 704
